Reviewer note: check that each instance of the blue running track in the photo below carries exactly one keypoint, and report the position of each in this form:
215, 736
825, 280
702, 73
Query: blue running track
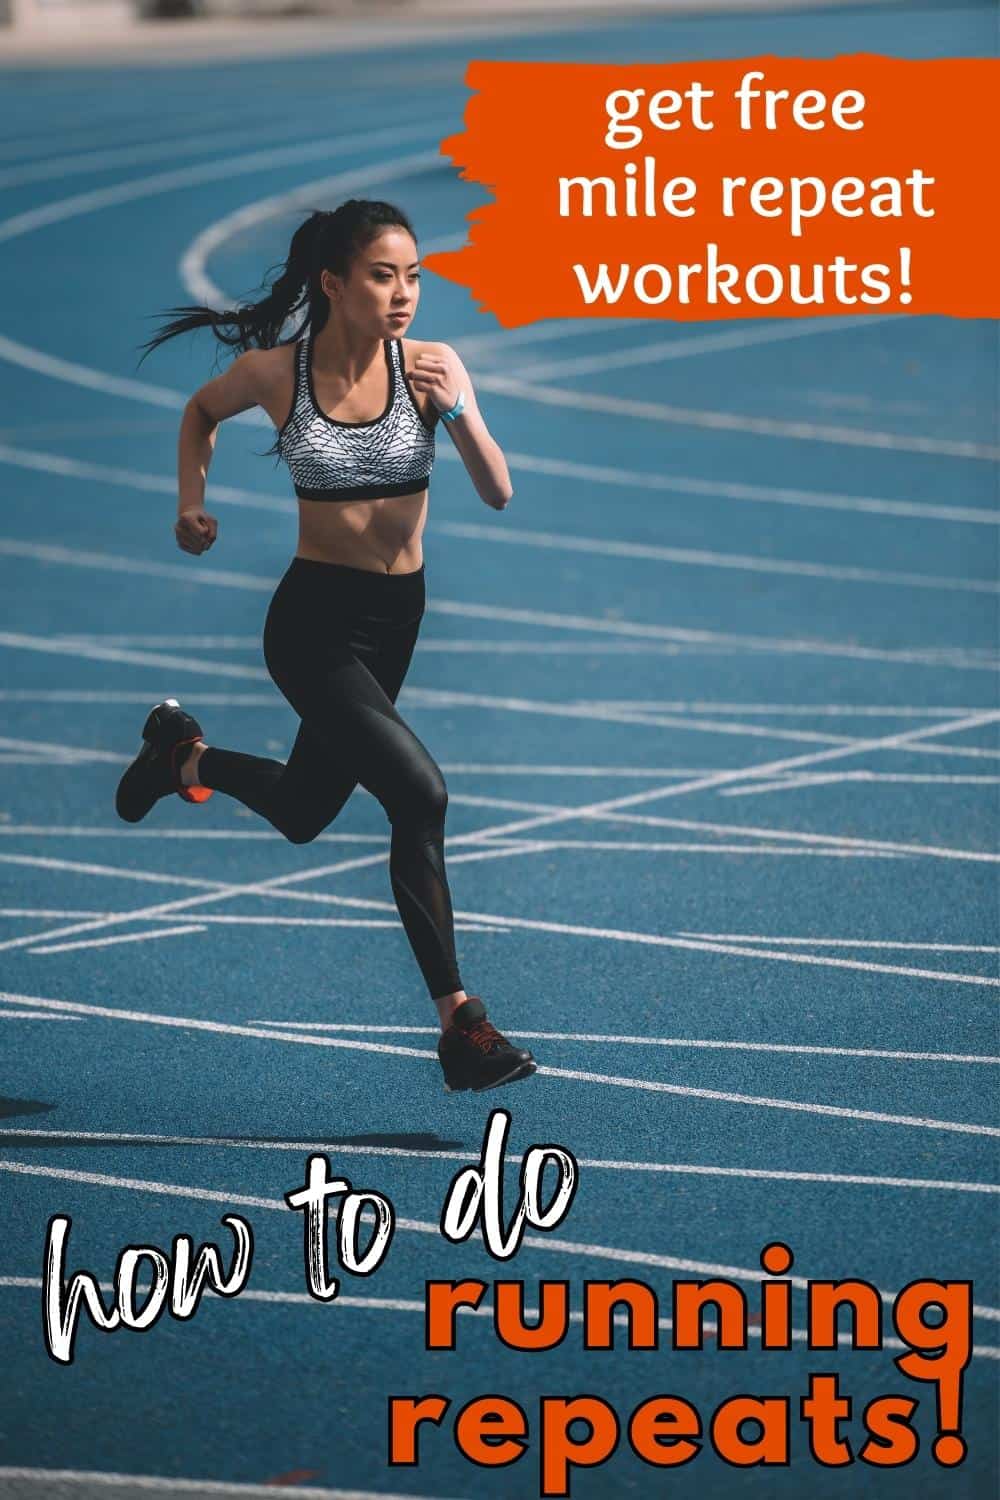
717, 707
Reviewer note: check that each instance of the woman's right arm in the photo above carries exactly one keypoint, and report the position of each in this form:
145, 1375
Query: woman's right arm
237, 389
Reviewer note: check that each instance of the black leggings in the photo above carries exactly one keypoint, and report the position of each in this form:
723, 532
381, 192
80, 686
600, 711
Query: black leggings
338, 642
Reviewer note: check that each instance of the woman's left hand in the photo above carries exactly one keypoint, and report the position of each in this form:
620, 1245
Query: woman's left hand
437, 376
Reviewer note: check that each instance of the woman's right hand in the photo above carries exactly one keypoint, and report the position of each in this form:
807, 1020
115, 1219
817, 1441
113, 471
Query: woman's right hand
195, 531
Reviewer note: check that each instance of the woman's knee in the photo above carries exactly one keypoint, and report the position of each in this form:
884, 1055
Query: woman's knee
300, 830
300, 821
422, 800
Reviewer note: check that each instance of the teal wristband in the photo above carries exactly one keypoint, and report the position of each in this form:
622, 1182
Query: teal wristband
456, 410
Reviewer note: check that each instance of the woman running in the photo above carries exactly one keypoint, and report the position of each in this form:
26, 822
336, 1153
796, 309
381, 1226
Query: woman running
356, 407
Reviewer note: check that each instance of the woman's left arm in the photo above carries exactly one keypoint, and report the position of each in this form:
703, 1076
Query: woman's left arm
440, 373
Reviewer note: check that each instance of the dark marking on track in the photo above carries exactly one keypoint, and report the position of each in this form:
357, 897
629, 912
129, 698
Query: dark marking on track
413, 1142
409, 1142
9, 1107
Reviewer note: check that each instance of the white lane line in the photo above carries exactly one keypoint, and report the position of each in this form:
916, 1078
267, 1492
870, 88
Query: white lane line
825, 942
713, 708
138, 479
723, 421
702, 558
833, 843
34, 1015
135, 831
663, 350
521, 825
470, 768
252, 643
155, 1484
510, 847
372, 1304
132, 937
803, 782
423, 697
140, 937
69, 1138
61, 749
16, 640
640, 846
774, 835
533, 333
877, 1117
435, 698
114, 872
718, 489
226, 921
226, 168
937, 656
944, 656
117, 696
53, 167
47, 911
685, 1091
217, 891
38, 141
532, 463
9, 758
654, 1041
274, 889
193, 263
235, 921
551, 1243
881, 742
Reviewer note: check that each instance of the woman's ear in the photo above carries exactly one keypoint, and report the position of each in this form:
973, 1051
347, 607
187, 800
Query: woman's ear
331, 284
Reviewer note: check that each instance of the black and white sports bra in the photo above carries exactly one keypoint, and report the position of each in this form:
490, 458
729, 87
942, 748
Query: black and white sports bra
329, 460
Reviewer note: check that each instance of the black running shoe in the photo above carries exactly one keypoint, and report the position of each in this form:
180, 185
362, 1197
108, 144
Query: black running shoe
167, 735
474, 1055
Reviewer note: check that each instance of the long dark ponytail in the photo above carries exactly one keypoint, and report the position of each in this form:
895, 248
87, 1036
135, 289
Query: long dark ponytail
325, 241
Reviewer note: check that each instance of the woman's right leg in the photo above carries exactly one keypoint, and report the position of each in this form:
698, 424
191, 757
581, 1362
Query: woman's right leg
351, 733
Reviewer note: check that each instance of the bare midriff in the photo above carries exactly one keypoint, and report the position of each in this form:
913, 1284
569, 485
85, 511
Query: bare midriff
380, 536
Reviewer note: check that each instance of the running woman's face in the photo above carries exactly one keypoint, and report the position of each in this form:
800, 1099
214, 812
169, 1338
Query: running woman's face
381, 293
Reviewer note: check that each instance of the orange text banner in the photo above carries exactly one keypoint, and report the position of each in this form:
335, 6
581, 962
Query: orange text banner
751, 187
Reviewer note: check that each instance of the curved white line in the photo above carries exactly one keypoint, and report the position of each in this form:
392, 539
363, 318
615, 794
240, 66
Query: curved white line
663, 350
183, 178
834, 1111
597, 546
370, 1304
424, 1226
134, 390
276, 887
824, 942
700, 557
652, 1041
695, 1169
54, 167
193, 263
56, 1479
944, 656
723, 421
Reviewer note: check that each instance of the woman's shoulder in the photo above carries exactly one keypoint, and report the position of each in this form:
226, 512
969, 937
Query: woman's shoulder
270, 370
414, 347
